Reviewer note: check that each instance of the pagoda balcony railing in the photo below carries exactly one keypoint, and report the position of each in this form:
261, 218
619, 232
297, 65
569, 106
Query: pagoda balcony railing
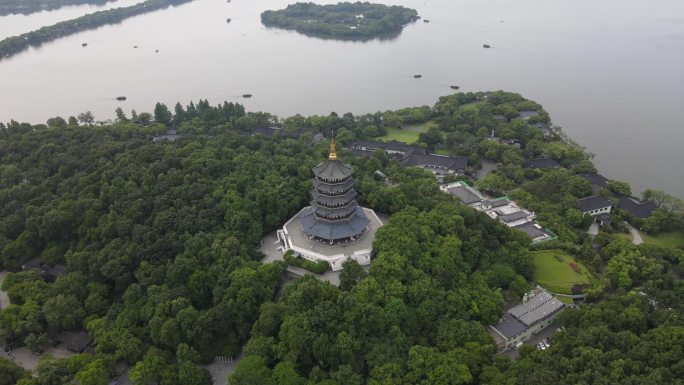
336, 206
335, 218
334, 193
333, 181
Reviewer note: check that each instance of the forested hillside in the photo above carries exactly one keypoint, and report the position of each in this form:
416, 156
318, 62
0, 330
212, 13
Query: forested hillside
159, 243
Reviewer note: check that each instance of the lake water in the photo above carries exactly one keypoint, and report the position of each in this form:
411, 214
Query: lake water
609, 72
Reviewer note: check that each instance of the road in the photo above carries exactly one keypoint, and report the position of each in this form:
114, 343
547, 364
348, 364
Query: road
4, 299
636, 236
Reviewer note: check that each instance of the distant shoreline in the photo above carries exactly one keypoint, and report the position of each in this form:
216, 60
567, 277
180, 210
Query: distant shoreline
16, 44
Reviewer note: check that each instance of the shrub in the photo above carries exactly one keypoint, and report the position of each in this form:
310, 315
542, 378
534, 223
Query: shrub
314, 267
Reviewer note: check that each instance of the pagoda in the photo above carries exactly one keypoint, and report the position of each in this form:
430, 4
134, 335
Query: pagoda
334, 214
334, 228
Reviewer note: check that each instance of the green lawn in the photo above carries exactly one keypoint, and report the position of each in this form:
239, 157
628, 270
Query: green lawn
408, 134
556, 275
672, 239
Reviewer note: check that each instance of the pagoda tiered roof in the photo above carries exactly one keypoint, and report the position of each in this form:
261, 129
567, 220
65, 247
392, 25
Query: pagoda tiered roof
333, 171
334, 213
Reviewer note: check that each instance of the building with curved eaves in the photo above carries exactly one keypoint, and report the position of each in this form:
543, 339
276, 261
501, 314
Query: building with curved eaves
334, 228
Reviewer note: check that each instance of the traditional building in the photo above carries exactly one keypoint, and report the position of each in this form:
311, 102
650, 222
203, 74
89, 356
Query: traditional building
365, 148
334, 228
440, 165
334, 214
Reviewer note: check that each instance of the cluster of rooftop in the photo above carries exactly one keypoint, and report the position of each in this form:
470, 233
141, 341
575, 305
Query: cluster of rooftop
412, 156
502, 209
537, 311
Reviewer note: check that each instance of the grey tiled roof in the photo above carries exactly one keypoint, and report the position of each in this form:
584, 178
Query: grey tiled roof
543, 163
513, 216
498, 202
637, 208
466, 196
536, 308
509, 326
331, 188
595, 179
531, 230
333, 230
333, 170
593, 203
334, 200
448, 162
392, 145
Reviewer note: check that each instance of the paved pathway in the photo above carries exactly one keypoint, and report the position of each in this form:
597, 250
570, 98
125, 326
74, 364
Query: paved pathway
487, 167
636, 236
23, 357
221, 369
4, 299
593, 229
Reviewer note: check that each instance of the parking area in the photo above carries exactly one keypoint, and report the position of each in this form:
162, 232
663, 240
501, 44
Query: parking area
545, 333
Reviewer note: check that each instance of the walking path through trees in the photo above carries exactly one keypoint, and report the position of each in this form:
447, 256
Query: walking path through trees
4, 299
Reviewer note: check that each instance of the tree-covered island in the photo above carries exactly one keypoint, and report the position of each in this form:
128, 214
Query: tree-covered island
343, 20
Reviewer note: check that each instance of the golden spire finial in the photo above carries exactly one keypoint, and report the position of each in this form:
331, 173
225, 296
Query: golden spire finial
333, 154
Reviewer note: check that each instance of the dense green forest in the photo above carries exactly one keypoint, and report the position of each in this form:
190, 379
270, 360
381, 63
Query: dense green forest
15, 44
159, 240
9, 7
343, 20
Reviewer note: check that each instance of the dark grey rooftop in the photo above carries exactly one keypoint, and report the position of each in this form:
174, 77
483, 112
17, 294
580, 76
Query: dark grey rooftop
543, 163
333, 170
509, 326
593, 203
392, 145
445, 161
498, 202
333, 230
636, 207
536, 308
465, 195
595, 179
531, 229
331, 188
512, 217
334, 200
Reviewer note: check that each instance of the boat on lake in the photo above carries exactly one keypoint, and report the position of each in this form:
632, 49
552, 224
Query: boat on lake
418, 76
121, 98
228, 20
426, 21
84, 45
247, 96
135, 46
455, 87
486, 46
